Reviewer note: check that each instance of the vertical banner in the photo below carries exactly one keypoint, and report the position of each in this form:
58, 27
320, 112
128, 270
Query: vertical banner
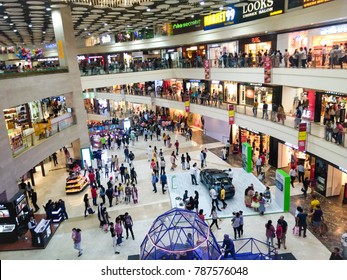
282, 191
60, 49
187, 104
247, 157
302, 137
267, 69
231, 114
207, 69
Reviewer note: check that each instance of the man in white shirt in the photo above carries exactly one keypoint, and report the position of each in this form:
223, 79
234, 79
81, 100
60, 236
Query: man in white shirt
149, 152
193, 174
292, 174
301, 172
344, 245
231, 175
214, 197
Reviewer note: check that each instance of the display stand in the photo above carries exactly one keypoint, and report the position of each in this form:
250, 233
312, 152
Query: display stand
75, 183
41, 234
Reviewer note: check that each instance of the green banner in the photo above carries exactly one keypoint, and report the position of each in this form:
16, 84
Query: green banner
283, 190
247, 157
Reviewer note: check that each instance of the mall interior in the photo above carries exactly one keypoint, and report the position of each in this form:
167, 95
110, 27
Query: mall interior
67, 69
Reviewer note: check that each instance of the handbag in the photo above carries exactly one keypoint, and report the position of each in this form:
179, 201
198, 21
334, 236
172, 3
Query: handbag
296, 230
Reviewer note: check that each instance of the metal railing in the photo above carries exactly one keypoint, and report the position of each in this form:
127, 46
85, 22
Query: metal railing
26, 141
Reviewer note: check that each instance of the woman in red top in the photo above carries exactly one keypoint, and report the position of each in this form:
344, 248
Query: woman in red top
94, 195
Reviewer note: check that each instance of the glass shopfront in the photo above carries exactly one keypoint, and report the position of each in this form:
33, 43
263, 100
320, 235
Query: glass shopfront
230, 92
249, 92
216, 87
330, 178
259, 141
258, 44
215, 51
195, 85
332, 100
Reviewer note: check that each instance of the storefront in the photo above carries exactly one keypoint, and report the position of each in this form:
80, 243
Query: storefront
259, 141
194, 55
216, 87
195, 85
249, 92
230, 92
173, 87
215, 51
330, 178
258, 44
330, 99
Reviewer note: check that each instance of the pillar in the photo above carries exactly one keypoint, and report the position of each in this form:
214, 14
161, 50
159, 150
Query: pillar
42, 169
76, 148
67, 52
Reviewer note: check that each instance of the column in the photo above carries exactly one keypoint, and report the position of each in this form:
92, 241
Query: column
66, 44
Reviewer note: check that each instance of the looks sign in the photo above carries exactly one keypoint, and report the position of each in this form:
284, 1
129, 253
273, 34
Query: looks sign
258, 7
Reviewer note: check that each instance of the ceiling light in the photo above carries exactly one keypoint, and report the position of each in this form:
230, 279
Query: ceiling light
148, 10
11, 23
202, 3
85, 29
105, 24
192, 16
48, 9
43, 32
14, 30
108, 3
221, 7
89, 34
5, 17
0, 4
30, 25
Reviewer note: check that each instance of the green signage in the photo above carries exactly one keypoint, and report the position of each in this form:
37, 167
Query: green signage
247, 157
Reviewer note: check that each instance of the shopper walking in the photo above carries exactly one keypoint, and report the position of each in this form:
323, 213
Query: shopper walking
63, 209
128, 224
34, 200
94, 194
284, 225
222, 197
177, 146
292, 174
269, 233
236, 223
109, 194
134, 194
214, 197
55, 159
215, 218
193, 174
77, 240
163, 180
114, 238
154, 182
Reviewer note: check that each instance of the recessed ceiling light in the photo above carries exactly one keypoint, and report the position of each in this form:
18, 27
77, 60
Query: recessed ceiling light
0, 4
202, 3
221, 7
44, 32
30, 25
192, 16
48, 9
11, 23
105, 24
14, 30
85, 29
5, 17
148, 10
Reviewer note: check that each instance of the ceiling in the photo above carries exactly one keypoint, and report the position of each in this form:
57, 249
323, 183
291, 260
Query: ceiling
29, 22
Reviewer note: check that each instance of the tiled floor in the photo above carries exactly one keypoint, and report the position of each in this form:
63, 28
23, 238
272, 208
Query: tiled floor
98, 245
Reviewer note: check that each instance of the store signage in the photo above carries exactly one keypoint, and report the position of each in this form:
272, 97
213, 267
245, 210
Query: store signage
207, 69
267, 70
195, 81
186, 26
231, 114
48, 59
50, 46
311, 3
256, 40
170, 50
215, 82
81, 57
251, 11
335, 93
106, 39
334, 29
302, 137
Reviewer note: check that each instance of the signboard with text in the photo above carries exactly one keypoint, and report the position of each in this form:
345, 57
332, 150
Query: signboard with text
249, 12
311, 3
302, 137
188, 25
187, 105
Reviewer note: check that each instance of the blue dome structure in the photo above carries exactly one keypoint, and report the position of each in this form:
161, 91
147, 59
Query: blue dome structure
179, 234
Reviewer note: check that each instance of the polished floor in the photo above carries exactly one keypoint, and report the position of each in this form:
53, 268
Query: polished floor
97, 244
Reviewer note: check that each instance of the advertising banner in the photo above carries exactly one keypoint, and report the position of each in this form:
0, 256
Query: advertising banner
207, 69
231, 114
247, 157
302, 137
267, 69
239, 14
282, 191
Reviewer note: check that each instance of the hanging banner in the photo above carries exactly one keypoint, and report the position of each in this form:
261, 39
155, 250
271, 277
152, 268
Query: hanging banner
187, 104
231, 114
207, 69
60, 49
267, 69
302, 137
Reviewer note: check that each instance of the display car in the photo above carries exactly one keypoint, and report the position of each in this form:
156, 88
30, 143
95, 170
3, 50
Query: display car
215, 178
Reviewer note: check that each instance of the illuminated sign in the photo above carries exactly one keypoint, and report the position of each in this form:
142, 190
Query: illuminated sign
251, 11
334, 29
311, 3
106, 39
50, 46
185, 26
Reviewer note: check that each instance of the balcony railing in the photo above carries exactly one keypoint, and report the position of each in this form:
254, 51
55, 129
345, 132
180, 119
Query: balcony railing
10, 74
230, 62
42, 131
314, 129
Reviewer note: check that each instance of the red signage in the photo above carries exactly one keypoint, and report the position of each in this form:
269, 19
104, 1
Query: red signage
302, 137
207, 69
231, 114
267, 69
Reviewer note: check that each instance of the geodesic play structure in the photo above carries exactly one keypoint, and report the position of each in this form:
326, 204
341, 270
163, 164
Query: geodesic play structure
179, 234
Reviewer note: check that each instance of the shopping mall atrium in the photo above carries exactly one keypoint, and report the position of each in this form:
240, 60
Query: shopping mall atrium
257, 87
